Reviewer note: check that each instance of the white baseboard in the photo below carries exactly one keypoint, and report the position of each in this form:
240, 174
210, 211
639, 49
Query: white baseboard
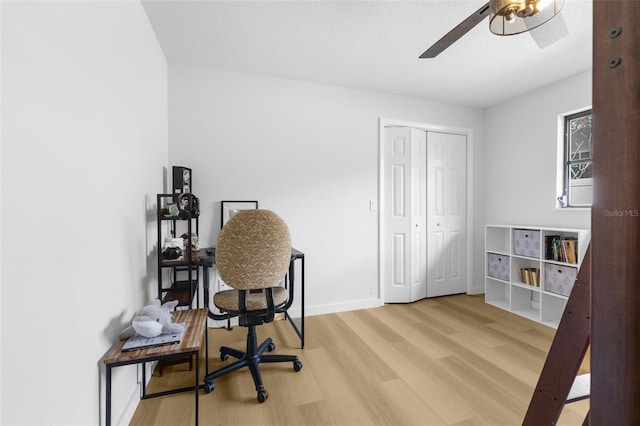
477, 290
129, 410
336, 307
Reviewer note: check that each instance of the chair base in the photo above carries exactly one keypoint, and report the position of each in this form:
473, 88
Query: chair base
252, 358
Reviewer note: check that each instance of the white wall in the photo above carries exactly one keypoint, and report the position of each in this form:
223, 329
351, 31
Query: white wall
521, 156
84, 151
308, 152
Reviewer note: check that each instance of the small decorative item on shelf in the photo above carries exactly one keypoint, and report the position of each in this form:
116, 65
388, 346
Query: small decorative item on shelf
172, 253
172, 209
172, 248
188, 206
195, 247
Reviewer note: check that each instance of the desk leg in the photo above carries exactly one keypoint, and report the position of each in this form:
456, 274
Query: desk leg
206, 348
205, 287
144, 380
108, 398
197, 385
299, 330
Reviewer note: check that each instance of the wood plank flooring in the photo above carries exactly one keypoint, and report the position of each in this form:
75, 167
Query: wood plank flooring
445, 361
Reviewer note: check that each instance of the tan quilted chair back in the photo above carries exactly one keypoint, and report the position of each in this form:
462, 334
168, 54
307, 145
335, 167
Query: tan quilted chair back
253, 250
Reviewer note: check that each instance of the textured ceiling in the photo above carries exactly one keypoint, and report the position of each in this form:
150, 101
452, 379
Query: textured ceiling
371, 45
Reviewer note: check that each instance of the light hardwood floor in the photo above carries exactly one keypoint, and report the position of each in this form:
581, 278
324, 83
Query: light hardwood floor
445, 361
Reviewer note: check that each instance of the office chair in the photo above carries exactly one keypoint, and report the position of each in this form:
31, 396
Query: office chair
252, 256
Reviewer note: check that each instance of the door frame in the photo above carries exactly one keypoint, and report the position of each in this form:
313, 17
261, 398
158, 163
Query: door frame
382, 250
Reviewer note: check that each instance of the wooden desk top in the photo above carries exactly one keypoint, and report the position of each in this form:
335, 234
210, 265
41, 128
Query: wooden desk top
195, 320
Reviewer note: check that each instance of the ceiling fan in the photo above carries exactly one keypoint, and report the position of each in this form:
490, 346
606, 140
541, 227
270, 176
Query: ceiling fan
507, 17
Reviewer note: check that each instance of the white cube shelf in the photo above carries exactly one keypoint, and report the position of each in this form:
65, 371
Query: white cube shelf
529, 251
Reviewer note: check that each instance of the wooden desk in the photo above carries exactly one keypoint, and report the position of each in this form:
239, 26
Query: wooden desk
196, 321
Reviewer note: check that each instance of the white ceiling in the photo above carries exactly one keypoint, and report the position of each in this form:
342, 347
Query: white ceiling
371, 45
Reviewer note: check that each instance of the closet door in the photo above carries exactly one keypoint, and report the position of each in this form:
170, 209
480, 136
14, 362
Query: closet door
446, 214
405, 226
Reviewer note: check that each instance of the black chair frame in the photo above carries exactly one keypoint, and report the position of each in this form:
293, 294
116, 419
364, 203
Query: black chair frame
254, 355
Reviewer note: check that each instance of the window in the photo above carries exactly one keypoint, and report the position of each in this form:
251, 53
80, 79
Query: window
578, 144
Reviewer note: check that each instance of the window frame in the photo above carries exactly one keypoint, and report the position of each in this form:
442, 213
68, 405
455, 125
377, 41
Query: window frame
563, 201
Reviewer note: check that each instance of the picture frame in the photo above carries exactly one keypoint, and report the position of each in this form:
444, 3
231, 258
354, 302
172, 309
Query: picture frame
229, 208
182, 180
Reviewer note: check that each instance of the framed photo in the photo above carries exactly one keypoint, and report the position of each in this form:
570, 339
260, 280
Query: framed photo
229, 208
182, 180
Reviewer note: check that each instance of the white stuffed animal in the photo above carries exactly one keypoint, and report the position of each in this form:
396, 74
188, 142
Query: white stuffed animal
153, 320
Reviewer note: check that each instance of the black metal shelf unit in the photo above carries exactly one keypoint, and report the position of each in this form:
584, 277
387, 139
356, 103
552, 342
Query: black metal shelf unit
183, 274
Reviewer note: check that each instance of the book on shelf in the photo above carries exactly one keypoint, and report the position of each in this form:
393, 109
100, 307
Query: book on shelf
569, 246
530, 276
561, 249
535, 276
550, 248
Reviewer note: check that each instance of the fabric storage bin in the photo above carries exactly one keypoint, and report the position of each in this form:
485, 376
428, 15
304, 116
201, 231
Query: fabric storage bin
559, 279
526, 242
498, 266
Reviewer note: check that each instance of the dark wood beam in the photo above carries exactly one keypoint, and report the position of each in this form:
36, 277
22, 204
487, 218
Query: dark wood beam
567, 352
615, 215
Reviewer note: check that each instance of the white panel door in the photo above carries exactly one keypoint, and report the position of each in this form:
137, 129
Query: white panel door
418, 207
405, 239
446, 214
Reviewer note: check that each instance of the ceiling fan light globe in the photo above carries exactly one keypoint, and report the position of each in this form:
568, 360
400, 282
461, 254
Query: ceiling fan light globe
527, 10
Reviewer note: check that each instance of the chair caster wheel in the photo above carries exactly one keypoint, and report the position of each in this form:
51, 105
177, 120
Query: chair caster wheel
224, 357
262, 396
297, 365
209, 387
271, 347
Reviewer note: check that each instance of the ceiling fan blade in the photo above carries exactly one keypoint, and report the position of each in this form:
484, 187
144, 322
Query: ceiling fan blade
452, 36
